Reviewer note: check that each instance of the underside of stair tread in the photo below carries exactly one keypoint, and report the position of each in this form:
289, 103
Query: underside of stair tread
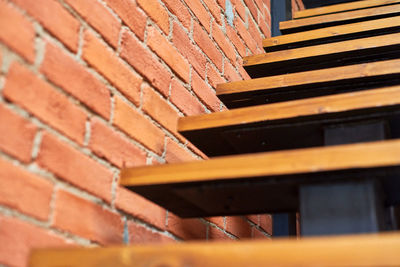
356, 5
333, 34
289, 125
262, 183
309, 84
323, 56
342, 18
360, 250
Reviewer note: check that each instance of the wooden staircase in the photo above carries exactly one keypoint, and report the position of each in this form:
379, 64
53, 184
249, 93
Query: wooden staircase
315, 131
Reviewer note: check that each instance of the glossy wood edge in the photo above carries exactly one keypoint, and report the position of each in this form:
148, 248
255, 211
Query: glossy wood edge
341, 8
330, 18
345, 251
309, 77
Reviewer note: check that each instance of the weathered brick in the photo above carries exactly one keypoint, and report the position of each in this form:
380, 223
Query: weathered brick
265, 28
213, 76
252, 7
179, 10
114, 147
87, 219
240, 9
65, 72
129, 12
246, 37
189, 50
214, 9
96, 14
156, 12
187, 229
184, 100
200, 13
230, 73
204, 92
159, 109
20, 37
235, 39
140, 208
138, 127
140, 235
255, 33
145, 63
207, 45
176, 153
160, 45
55, 18
16, 135
20, 238
109, 65
38, 97
25, 192
238, 227
224, 43
74, 167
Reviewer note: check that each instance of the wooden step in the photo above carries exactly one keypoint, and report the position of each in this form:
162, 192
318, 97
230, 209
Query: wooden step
264, 182
359, 250
312, 12
323, 56
289, 125
333, 34
329, 20
309, 84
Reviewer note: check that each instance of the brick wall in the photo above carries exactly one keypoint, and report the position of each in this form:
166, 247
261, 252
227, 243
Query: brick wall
90, 86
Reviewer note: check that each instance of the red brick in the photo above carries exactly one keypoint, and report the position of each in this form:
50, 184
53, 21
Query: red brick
213, 76
156, 12
140, 235
19, 238
114, 147
205, 93
230, 73
259, 4
243, 72
184, 100
240, 9
160, 45
215, 234
16, 135
207, 45
140, 208
87, 219
266, 223
235, 39
179, 10
109, 65
20, 37
138, 127
265, 28
187, 49
187, 229
25, 192
218, 221
145, 63
176, 153
223, 43
65, 72
252, 7
159, 109
257, 234
215, 10
238, 226
93, 12
244, 33
255, 33
74, 167
200, 13
129, 12
38, 97
55, 18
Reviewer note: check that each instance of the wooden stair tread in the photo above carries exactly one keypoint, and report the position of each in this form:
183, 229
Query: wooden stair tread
288, 125
359, 250
311, 12
332, 34
304, 24
310, 83
323, 56
261, 183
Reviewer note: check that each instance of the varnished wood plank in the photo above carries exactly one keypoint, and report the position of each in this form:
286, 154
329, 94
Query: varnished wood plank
306, 107
291, 26
361, 251
308, 84
342, 8
323, 56
334, 33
